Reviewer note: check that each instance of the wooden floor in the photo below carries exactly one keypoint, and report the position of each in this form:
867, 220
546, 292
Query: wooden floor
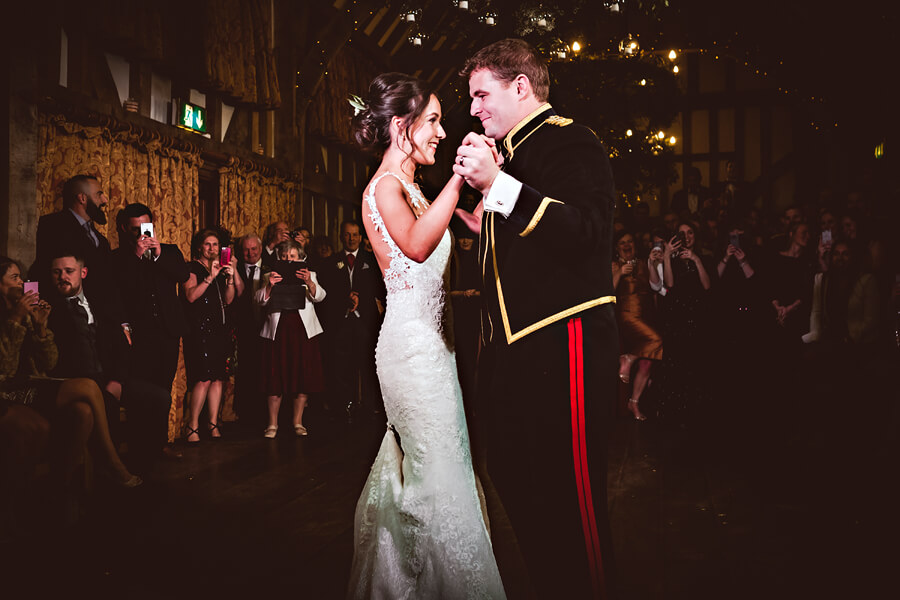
755, 498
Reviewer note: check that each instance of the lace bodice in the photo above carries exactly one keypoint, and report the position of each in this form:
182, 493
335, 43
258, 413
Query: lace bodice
403, 272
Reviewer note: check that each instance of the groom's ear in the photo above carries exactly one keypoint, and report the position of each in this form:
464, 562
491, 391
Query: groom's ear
523, 85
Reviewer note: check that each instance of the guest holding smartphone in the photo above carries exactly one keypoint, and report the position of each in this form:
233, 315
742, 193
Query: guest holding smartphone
210, 287
292, 364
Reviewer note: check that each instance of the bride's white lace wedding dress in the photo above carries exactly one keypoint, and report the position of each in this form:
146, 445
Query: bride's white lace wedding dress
419, 531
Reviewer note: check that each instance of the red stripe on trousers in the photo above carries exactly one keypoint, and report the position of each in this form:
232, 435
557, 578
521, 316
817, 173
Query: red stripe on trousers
579, 453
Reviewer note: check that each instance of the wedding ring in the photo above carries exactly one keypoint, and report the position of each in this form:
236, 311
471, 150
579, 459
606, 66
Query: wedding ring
461, 159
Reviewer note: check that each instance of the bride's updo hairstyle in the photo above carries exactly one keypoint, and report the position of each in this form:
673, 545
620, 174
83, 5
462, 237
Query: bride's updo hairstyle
390, 95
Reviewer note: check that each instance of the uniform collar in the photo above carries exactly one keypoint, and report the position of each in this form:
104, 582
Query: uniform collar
524, 128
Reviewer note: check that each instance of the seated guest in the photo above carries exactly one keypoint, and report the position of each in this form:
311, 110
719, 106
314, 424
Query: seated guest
635, 310
73, 407
292, 364
209, 289
91, 344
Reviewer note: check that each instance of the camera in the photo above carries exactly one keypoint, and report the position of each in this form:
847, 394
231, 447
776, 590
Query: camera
147, 229
225, 256
659, 246
679, 237
735, 240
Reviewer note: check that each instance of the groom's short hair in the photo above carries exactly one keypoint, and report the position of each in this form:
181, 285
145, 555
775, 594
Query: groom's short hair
509, 58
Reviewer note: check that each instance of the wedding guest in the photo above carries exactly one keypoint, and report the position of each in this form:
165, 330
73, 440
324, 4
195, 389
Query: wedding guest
73, 407
210, 287
276, 232
635, 312
292, 364
687, 279
72, 230
351, 319
248, 320
790, 285
148, 273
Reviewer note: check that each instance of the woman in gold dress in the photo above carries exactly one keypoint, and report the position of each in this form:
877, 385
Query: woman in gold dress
635, 311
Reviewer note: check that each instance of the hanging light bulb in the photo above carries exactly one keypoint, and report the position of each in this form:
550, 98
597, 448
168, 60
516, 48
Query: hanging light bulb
661, 135
628, 133
643, 82
675, 69
672, 140
629, 46
463, 4
576, 47
672, 55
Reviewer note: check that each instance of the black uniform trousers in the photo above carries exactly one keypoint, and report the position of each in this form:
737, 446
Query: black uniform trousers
551, 398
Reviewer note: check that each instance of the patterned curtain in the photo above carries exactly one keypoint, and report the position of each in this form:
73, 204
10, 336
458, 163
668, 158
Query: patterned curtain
236, 54
249, 200
132, 167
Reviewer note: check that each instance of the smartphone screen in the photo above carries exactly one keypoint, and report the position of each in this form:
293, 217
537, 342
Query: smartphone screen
826, 236
31, 286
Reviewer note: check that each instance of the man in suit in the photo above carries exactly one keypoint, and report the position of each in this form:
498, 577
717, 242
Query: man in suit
148, 274
248, 398
548, 369
351, 318
72, 230
91, 344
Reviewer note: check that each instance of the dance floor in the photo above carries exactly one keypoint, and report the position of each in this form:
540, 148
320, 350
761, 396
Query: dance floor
737, 503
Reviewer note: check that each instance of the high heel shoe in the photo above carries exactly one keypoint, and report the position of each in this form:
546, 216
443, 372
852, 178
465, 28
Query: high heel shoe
192, 431
214, 427
633, 406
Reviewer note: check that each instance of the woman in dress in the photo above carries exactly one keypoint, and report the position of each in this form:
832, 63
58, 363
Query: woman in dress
419, 529
635, 309
687, 280
291, 358
209, 289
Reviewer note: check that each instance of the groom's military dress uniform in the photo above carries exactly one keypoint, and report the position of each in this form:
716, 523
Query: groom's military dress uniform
548, 370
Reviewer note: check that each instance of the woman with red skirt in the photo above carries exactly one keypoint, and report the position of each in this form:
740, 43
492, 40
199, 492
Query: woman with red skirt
292, 364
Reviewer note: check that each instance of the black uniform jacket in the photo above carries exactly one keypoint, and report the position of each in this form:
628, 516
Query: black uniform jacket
551, 258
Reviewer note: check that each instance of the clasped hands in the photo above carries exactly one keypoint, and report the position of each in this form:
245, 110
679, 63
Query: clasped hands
478, 162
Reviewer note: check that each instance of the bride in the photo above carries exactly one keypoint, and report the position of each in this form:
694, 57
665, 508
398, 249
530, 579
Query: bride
419, 531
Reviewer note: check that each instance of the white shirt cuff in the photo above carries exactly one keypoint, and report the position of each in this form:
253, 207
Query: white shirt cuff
503, 195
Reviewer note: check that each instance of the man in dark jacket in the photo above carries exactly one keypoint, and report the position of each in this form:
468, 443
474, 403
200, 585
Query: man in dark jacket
92, 344
351, 317
548, 369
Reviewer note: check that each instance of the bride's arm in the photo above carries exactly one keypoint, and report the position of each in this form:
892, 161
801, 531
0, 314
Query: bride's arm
416, 238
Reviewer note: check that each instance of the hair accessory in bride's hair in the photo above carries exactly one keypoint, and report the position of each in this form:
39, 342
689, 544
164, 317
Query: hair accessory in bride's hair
358, 104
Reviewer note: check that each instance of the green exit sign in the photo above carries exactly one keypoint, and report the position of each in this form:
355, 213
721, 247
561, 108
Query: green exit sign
191, 117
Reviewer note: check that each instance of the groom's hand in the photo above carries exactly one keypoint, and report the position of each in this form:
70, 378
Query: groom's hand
472, 219
477, 162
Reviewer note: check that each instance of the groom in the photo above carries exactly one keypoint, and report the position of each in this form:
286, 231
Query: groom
548, 369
